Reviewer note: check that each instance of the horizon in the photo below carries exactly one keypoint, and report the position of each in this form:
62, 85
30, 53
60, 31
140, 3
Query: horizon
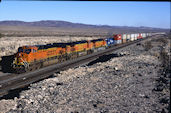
87, 24
130, 14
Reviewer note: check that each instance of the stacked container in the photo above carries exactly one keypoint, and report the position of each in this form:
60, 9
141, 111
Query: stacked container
139, 36
136, 36
132, 37
143, 35
118, 39
128, 37
124, 38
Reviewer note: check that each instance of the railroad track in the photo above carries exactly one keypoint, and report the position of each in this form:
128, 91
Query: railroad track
15, 81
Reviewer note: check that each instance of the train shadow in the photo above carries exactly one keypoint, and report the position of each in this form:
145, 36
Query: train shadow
16, 92
5, 64
104, 58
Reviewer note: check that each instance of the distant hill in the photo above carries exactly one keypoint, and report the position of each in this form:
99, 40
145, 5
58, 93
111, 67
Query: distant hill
68, 27
52, 23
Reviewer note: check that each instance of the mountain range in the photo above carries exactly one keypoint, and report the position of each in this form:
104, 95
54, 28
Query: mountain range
68, 27
52, 23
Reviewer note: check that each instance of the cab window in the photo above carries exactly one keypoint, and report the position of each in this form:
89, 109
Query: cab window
34, 51
27, 51
20, 49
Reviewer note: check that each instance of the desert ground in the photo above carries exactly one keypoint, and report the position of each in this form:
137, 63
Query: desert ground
132, 79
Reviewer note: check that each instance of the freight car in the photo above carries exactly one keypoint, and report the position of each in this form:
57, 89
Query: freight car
30, 58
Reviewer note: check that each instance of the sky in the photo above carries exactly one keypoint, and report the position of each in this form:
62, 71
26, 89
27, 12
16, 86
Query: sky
150, 14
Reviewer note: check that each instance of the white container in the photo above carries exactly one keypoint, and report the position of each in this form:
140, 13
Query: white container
147, 34
132, 37
144, 35
124, 36
136, 35
128, 37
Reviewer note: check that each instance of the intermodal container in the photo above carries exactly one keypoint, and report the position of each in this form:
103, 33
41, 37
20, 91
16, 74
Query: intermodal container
132, 37
143, 35
124, 38
147, 34
139, 36
118, 38
128, 37
136, 36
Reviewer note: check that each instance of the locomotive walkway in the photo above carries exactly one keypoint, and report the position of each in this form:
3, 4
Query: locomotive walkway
12, 82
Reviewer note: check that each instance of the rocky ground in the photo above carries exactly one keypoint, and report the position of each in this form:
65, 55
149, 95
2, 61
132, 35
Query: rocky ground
133, 79
9, 45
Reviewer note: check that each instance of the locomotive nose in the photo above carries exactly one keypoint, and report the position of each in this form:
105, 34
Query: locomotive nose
21, 57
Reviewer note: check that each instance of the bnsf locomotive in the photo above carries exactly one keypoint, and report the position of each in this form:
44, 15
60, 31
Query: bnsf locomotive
30, 58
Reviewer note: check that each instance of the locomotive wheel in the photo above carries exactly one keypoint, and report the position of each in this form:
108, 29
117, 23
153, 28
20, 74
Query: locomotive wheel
37, 66
34, 67
27, 70
63, 59
60, 59
31, 68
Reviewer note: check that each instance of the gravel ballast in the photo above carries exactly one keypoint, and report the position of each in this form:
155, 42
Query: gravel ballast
125, 82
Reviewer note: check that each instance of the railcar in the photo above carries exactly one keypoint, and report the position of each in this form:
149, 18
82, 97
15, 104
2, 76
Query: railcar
136, 36
99, 44
128, 37
118, 38
29, 58
124, 38
132, 37
139, 36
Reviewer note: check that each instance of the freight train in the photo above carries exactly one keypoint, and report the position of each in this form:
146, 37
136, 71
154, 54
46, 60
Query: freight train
29, 58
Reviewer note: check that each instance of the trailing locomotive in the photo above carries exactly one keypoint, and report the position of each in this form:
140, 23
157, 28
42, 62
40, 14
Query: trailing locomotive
30, 58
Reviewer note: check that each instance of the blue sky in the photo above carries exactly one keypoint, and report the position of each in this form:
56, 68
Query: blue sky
151, 14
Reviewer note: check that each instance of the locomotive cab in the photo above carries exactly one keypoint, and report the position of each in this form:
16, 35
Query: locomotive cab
23, 57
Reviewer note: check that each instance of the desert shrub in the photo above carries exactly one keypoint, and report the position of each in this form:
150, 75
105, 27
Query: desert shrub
163, 40
1, 35
147, 46
164, 57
